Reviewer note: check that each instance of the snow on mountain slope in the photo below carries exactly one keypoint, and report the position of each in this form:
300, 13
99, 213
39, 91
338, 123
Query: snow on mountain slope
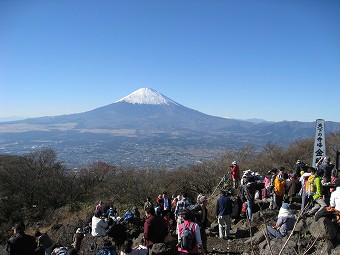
147, 96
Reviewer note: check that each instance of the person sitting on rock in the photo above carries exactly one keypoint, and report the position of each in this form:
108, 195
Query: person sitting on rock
108, 248
99, 225
285, 222
78, 238
44, 242
100, 207
319, 202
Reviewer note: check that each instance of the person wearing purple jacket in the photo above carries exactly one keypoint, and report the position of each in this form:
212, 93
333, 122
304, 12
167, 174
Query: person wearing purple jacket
223, 212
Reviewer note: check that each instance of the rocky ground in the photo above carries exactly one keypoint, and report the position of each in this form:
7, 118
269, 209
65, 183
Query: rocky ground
309, 236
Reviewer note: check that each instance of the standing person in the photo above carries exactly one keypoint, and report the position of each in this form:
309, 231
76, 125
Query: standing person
20, 243
335, 197
293, 187
235, 174
223, 212
334, 179
248, 190
300, 167
266, 188
202, 220
188, 226
272, 205
180, 206
279, 188
166, 203
304, 189
148, 203
327, 166
155, 229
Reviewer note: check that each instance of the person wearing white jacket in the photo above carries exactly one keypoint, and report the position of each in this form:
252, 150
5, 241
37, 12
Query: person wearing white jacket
335, 197
99, 225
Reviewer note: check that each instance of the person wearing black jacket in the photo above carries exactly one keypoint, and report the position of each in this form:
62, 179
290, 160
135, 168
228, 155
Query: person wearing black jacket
202, 220
20, 243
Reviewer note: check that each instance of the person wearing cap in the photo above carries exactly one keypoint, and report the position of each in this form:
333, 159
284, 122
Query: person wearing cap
235, 174
285, 222
20, 243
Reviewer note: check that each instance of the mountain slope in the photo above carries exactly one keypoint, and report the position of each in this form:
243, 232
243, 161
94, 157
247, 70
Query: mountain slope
145, 128
142, 109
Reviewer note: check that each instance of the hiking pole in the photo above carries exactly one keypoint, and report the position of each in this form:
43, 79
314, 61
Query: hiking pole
223, 178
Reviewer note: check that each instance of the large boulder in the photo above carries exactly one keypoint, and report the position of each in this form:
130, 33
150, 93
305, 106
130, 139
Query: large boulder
276, 246
324, 228
162, 249
326, 247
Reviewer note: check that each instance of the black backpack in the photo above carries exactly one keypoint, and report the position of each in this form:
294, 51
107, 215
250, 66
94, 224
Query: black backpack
188, 239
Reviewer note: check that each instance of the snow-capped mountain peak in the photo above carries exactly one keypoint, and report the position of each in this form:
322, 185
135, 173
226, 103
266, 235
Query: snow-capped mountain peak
146, 96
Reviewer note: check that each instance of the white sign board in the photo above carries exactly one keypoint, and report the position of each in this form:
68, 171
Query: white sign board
319, 142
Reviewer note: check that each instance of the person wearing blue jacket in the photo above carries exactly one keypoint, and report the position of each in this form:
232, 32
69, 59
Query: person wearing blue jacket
223, 212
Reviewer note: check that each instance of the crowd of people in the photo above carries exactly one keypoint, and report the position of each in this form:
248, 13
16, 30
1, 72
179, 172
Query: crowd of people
189, 219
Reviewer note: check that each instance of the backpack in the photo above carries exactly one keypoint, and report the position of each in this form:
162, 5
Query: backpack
310, 186
188, 239
128, 216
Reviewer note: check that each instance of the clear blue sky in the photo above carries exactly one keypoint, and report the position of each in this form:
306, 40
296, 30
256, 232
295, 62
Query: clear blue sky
275, 60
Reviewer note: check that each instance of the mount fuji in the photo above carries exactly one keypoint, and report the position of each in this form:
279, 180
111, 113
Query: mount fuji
144, 129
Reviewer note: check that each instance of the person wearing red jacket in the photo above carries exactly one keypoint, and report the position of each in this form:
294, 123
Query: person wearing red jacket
155, 229
235, 174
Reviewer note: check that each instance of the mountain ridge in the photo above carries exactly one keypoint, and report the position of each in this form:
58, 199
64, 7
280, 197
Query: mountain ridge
142, 126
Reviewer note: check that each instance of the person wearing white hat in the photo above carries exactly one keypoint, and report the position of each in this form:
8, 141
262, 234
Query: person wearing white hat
235, 174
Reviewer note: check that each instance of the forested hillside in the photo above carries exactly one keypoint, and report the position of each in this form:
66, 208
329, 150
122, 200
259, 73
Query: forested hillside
36, 185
